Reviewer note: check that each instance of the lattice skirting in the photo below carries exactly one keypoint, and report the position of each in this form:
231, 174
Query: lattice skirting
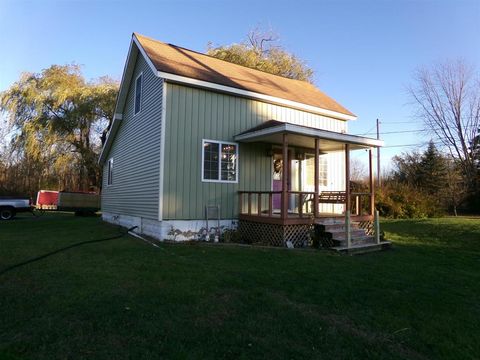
367, 226
274, 234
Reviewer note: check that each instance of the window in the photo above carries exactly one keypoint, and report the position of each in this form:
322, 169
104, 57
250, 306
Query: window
110, 172
138, 94
308, 172
322, 171
219, 161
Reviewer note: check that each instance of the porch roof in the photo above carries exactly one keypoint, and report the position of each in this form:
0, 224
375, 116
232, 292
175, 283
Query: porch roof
304, 136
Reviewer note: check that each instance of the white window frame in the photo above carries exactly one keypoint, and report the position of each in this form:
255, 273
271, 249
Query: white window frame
135, 96
323, 158
220, 143
322, 181
110, 172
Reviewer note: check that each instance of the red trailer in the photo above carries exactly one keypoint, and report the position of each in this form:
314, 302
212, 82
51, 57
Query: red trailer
47, 200
79, 202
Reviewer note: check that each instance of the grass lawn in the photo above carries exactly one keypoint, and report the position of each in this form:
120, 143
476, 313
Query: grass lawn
124, 299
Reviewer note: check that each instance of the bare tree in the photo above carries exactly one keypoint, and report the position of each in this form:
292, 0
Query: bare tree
261, 50
447, 98
358, 170
259, 39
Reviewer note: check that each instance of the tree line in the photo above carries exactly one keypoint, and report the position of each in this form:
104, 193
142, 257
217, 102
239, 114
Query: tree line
425, 184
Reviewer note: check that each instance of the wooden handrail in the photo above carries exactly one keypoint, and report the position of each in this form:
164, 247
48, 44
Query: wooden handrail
301, 192
302, 198
259, 192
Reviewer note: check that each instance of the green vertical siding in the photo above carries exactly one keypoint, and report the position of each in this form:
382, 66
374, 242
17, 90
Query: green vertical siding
194, 114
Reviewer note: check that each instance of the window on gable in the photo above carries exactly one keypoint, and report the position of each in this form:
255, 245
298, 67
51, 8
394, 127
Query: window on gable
110, 172
138, 93
220, 161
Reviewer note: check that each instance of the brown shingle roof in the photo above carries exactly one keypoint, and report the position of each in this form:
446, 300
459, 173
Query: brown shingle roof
179, 61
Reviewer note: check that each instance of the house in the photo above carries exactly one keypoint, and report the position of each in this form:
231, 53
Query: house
192, 133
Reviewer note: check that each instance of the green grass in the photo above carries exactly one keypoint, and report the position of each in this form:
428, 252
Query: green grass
124, 299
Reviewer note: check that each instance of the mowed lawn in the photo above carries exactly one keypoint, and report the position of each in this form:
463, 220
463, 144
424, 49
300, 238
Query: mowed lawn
125, 299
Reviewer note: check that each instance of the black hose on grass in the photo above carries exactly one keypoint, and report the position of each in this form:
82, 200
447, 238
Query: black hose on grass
11, 267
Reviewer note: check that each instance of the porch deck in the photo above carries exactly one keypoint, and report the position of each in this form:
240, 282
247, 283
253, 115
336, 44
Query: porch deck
303, 207
304, 221
288, 218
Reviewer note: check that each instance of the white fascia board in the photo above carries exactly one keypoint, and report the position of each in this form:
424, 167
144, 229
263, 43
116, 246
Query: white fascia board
142, 51
330, 135
253, 95
120, 101
314, 133
110, 135
124, 86
162, 151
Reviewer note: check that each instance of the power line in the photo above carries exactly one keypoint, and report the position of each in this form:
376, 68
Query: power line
394, 132
368, 132
404, 145
417, 144
402, 131
396, 122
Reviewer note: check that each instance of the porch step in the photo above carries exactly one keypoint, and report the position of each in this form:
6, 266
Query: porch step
338, 226
342, 233
362, 248
331, 221
360, 240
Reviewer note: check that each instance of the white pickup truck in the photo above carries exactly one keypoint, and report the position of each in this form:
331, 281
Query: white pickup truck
10, 206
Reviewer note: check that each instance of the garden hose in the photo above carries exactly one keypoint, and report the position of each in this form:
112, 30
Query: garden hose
11, 267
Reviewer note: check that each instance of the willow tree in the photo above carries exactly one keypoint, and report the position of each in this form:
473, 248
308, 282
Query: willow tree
57, 118
262, 51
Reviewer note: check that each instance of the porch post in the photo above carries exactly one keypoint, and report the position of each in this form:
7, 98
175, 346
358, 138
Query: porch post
317, 178
372, 183
285, 166
347, 178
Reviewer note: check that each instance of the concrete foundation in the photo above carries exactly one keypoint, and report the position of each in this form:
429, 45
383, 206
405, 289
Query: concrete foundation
177, 230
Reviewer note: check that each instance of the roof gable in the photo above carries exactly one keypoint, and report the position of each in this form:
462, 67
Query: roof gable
175, 60
180, 63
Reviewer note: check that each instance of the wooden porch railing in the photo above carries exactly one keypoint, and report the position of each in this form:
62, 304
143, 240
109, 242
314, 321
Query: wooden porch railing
260, 203
361, 203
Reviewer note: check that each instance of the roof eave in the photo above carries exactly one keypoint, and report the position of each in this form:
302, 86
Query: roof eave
237, 91
310, 132
122, 94
254, 95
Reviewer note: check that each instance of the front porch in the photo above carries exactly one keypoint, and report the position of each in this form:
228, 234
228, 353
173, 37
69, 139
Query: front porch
341, 218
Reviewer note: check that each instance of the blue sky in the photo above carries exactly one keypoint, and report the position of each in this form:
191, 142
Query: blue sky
363, 52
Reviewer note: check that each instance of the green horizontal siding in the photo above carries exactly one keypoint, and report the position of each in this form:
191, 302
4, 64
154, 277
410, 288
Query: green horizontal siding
136, 152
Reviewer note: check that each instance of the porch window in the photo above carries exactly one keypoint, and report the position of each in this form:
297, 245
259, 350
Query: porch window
219, 161
110, 172
308, 171
322, 171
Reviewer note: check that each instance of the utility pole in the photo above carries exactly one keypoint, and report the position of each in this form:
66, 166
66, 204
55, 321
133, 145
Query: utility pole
379, 183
